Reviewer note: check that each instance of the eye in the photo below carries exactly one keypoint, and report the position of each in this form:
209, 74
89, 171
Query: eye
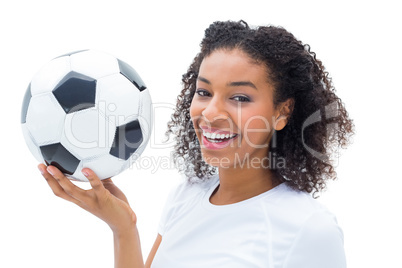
241, 98
202, 93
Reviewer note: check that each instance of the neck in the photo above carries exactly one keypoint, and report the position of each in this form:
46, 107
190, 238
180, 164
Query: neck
239, 184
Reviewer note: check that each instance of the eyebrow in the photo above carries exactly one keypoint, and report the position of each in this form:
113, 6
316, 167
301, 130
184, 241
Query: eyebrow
202, 79
231, 84
242, 83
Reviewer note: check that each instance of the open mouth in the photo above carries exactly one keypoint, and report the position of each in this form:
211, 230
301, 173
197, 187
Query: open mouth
214, 137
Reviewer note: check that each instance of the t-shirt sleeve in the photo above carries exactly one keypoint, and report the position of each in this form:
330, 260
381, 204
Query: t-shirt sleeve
318, 244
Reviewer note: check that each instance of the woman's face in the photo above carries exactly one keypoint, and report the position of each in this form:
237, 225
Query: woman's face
232, 110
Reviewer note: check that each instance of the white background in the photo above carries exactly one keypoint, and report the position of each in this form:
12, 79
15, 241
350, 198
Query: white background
358, 41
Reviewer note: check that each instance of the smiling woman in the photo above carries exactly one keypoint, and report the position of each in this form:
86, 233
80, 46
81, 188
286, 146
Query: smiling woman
249, 131
290, 86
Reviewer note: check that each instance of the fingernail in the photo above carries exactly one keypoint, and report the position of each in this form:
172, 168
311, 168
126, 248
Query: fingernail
41, 171
48, 170
86, 174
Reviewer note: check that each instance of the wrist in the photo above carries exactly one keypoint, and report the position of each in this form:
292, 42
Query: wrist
124, 223
124, 230
127, 248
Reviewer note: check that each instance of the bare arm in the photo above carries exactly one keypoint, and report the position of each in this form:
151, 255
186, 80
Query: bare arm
153, 251
108, 203
127, 249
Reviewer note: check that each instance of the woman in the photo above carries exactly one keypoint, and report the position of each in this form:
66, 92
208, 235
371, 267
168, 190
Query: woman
253, 145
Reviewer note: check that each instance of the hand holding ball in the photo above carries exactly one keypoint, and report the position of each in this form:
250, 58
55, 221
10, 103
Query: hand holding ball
87, 109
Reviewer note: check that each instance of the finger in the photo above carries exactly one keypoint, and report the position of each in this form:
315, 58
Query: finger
69, 188
94, 180
107, 181
54, 185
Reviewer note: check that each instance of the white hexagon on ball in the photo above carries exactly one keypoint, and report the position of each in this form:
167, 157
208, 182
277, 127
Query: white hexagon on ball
88, 133
94, 63
116, 95
45, 119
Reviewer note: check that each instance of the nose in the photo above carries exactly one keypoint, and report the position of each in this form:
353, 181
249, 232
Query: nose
215, 110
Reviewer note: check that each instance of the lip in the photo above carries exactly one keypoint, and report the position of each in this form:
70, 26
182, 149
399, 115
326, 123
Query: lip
216, 145
216, 130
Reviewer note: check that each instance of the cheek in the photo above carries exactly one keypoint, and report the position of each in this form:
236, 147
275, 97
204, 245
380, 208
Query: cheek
256, 128
196, 109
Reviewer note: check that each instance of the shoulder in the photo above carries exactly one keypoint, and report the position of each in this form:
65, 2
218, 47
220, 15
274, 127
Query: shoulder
313, 234
293, 205
299, 209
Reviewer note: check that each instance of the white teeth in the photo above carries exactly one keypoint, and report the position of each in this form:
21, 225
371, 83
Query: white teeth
214, 136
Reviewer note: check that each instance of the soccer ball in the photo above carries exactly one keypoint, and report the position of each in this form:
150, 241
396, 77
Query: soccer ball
87, 109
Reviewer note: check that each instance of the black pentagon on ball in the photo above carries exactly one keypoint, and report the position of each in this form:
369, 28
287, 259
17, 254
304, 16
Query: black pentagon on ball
127, 139
75, 92
25, 104
131, 75
58, 156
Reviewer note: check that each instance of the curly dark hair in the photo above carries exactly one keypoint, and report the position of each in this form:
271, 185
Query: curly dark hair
307, 142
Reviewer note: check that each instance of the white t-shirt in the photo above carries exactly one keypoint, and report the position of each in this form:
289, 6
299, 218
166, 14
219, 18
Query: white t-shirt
279, 228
